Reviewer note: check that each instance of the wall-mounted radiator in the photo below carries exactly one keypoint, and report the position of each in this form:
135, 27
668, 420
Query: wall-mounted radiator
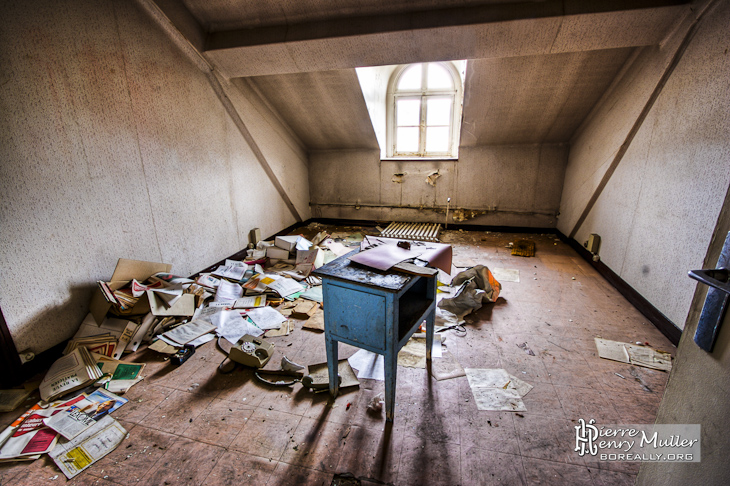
413, 231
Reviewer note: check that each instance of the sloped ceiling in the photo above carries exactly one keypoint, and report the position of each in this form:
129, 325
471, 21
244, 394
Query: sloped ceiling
534, 99
536, 68
325, 109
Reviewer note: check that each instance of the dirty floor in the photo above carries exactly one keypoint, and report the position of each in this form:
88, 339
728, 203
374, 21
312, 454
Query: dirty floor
190, 425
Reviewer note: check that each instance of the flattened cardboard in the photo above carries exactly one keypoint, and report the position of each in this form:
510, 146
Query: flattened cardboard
184, 306
125, 272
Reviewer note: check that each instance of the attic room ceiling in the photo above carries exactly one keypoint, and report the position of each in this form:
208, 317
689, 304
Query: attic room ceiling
535, 71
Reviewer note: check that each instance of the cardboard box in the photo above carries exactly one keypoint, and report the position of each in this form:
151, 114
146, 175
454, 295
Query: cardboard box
277, 253
184, 306
287, 243
125, 271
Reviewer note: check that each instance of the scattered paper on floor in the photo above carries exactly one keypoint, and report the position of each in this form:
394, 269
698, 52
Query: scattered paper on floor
497, 390
633, 354
370, 366
446, 367
93, 444
413, 354
506, 274
287, 327
315, 322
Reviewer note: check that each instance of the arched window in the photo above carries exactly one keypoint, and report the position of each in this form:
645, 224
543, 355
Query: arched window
424, 110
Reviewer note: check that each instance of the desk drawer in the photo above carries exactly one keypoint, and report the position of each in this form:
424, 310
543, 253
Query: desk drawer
356, 315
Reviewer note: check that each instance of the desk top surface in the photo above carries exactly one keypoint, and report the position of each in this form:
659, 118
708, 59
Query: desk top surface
345, 270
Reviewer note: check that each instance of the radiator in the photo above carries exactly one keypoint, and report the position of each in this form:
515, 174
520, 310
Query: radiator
412, 231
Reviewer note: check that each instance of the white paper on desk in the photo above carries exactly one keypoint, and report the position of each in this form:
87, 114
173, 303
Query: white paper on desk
234, 273
236, 263
232, 326
266, 317
384, 256
285, 286
370, 366
228, 292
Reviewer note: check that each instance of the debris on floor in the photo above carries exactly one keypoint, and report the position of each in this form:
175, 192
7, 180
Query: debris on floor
638, 355
524, 347
12, 398
506, 274
497, 390
523, 248
93, 444
447, 367
474, 287
413, 354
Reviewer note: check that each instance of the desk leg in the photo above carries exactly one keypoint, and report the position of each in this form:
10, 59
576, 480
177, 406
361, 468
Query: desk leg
391, 369
332, 366
430, 322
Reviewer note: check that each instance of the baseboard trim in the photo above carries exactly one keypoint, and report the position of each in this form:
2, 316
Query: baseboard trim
654, 315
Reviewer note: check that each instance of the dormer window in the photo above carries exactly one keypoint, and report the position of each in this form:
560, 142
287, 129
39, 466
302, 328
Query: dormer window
424, 110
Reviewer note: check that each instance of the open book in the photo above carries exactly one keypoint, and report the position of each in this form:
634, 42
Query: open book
69, 373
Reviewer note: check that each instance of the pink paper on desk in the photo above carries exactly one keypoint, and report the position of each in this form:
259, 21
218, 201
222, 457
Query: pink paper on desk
384, 256
436, 254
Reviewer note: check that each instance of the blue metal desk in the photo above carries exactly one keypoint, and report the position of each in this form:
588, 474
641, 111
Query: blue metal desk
377, 311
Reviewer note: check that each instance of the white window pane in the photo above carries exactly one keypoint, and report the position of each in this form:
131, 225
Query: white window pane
407, 140
437, 139
438, 111
411, 78
439, 77
408, 112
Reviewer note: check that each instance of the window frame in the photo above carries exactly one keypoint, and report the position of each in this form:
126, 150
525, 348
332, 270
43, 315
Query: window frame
423, 94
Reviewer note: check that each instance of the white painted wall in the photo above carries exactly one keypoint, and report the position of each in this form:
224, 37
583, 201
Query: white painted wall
657, 212
113, 144
522, 182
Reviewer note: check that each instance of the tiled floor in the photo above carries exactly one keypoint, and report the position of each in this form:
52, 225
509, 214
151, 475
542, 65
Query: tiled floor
190, 425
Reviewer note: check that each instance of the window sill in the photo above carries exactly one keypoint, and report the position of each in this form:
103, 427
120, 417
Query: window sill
419, 159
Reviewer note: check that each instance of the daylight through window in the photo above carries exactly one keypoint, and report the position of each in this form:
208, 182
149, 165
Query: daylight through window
425, 106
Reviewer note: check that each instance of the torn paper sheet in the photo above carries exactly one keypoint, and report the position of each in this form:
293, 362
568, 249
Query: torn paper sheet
233, 327
370, 366
315, 322
506, 274
633, 354
93, 444
446, 367
497, 390
266, 317
413, 354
